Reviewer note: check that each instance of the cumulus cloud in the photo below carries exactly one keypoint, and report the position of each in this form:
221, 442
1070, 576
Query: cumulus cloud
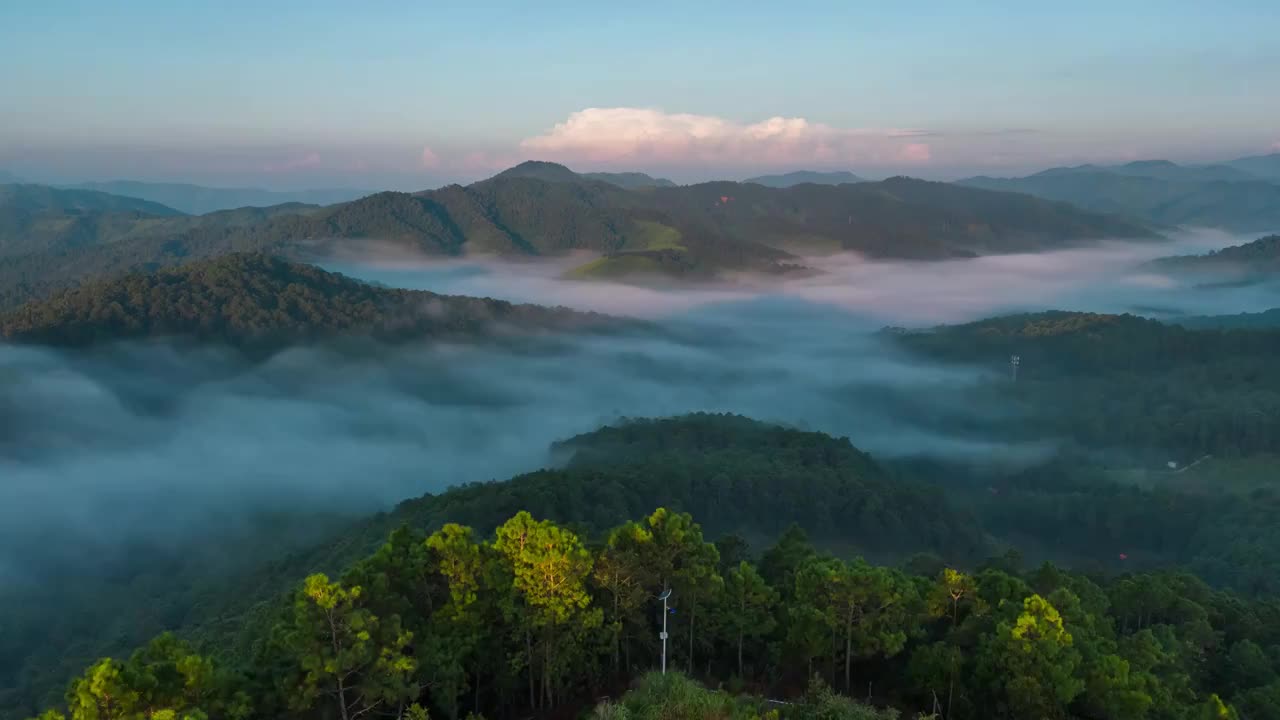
606, 135
429, 158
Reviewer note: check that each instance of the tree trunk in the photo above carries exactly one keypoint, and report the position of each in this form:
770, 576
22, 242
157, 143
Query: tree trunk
693, 609
342, 699
739, 653
617, 637
546, 675
528, 644
848, 650
475, 688
951, 689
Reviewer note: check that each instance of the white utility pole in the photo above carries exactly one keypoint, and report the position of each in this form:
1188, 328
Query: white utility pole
663, 597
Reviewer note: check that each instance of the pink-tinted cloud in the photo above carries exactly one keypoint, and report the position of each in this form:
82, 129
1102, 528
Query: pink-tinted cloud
305, 161
631, 135
916, 152
1275, 146
429, 158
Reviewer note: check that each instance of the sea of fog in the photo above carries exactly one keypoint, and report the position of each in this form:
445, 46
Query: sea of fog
151, 442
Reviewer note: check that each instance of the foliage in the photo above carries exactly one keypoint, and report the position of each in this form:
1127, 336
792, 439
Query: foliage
256, 301
526, 607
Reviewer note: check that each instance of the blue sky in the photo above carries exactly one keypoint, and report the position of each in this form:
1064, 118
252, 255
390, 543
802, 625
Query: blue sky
411, 94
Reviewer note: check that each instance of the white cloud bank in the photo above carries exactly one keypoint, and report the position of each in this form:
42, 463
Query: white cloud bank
644, 135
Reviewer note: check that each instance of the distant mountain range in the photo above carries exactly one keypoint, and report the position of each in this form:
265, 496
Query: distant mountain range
1222, 196
539, 209
1263, 166
1157, 169
198, 200
800, 177
1265, 320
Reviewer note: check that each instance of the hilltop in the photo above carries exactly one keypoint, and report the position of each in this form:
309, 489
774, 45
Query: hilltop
260, 301
555, 172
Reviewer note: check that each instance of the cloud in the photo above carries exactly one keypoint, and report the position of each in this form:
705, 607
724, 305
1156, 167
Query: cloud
623, 134
916, 152
1276, 146
429, 158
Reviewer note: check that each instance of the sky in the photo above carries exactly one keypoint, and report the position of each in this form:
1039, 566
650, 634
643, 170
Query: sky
375, 94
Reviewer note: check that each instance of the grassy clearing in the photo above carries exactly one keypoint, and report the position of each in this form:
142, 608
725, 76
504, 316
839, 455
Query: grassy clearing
1239, 476
614, 266
652, 235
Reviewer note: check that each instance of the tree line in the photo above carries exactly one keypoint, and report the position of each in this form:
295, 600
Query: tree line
536, 618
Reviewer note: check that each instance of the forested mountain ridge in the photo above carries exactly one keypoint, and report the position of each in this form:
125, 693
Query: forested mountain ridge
34, 198
545, 209
1257, 259
36, 218
1121, 381
258, 300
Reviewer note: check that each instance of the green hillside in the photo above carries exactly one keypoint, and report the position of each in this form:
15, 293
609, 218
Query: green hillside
1257, 260
255, 300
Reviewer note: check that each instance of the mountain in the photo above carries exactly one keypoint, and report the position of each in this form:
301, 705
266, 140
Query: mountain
198, 200
541, 209
37, 198
257, 301
1238, 206
1263, 166
805, 176
555, 172
48, 222
37, 218
540, 170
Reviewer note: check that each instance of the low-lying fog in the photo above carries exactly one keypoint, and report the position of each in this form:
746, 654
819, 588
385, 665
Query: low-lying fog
145, 441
